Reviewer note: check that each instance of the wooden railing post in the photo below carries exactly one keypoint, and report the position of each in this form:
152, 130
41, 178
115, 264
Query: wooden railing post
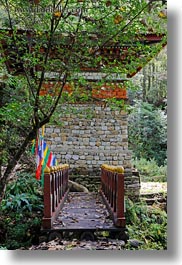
47, 198
53, 189
120, 218
55, 192
112, 191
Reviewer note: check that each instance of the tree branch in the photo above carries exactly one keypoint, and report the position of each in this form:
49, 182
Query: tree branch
120, 30
17, 49
13, 161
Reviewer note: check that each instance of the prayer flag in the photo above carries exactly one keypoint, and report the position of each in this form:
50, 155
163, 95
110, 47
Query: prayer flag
44, 157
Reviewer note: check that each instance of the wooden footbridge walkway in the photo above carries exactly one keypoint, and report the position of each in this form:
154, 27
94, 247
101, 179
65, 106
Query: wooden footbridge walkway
80, 212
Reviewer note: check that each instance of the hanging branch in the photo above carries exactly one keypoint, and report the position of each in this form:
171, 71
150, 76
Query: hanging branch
123, 28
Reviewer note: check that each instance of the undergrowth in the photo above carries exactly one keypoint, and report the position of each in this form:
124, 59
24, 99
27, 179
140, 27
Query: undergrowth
147, 224
21, 212
150, 171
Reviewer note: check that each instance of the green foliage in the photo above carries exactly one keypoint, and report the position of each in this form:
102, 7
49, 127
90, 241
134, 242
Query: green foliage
22, 195
21, 212
148, 132
146, 224
15, 115
20, 229
21, 202
25, 183
3, 248
151, 82
150, 171
116, 104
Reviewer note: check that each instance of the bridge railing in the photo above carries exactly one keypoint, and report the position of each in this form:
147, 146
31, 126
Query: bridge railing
55, 192
112, 191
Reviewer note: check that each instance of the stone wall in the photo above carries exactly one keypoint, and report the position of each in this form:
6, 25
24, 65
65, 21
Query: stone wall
91, 135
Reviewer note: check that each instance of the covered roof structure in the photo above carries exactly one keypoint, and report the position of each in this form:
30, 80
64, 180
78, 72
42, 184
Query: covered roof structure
114, 53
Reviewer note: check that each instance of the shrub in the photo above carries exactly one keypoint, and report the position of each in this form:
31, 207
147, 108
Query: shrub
148, 132
21, 212
146, 224
150, 171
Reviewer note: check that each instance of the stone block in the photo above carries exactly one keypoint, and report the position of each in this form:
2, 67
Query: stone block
104, 128
56, 130
92, 143
48, 130
107, 147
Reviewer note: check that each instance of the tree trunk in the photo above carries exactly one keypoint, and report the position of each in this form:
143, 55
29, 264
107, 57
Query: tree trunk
13, 161
2, 87
144, 90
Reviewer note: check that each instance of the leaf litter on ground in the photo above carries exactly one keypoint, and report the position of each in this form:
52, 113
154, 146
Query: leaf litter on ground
102, 244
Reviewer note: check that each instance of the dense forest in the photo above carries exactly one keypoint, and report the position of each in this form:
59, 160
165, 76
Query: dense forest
148, 117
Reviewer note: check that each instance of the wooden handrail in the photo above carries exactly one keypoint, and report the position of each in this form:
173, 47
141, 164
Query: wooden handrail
112, 191
55, 192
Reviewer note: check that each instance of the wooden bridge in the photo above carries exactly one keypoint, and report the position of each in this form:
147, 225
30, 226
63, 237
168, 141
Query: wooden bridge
80, 212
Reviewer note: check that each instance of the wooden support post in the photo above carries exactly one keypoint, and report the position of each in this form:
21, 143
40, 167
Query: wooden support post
112, 192
55, 193
47, 200
120, 218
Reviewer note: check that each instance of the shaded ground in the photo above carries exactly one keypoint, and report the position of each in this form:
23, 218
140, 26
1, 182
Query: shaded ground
100, 244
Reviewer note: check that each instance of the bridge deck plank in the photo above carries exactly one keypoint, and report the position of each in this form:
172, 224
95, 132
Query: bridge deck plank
83, 211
